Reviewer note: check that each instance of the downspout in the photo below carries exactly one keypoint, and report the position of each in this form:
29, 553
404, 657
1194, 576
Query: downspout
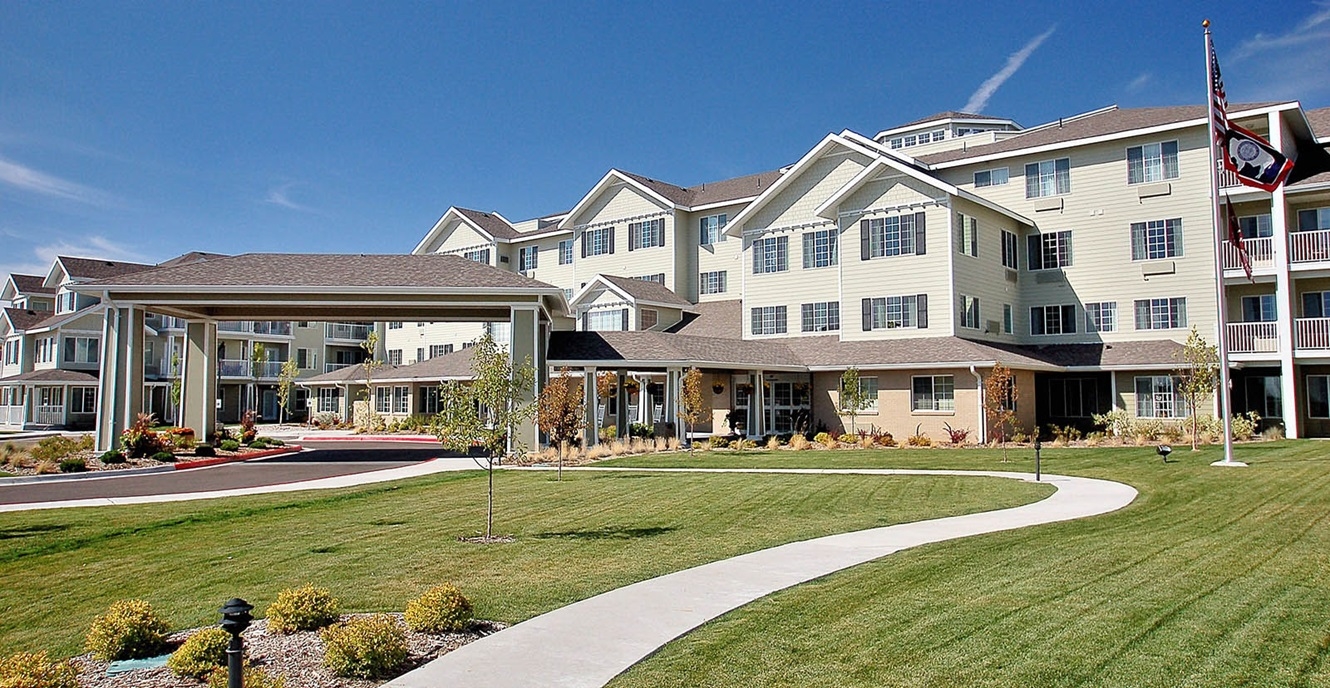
983, 417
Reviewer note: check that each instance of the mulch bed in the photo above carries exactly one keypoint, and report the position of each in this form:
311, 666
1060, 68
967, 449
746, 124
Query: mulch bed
297, 657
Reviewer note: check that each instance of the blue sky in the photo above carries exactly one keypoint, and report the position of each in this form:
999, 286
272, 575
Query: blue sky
139, 131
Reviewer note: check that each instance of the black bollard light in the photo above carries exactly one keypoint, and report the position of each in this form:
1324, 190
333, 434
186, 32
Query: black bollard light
1163, 451
235, 619
1037, 446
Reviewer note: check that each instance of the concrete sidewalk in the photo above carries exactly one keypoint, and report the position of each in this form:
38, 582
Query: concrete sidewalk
588, 643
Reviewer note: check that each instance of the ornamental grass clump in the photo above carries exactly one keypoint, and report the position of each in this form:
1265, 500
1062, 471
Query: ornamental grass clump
36, 670
442, 609
305, 608
130, 629
201, 654
366, 647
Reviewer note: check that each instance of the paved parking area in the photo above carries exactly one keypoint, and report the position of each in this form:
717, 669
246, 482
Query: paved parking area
320, 460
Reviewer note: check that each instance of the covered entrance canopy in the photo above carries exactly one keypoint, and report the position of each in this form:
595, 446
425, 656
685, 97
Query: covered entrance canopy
272, 286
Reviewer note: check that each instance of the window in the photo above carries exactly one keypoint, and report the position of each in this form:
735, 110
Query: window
769, 320
1265, 396
479, 255
771, 255
51, 396
646, 234
1153, 162
820, 248
1101, 317
1072, 397
528, 258
383, 398
933, 393
967, 234
81, 350
1156, 397
1048, 178
429, 400
1009, 250
1260, 308
1314, 218
420, 354
401, 399
647, 317
437, 350
892, 236
994, 177
598, 242
607, 320
394, 357
1049, 250
658, 278
1008, 319
395, 325
1059, 319
1156, 239
12, 350
969, 313
1256, 226
895, 311
83, 400
65, 302
1315, 304
712, 282
329, 400
46, 350
1161, 314
712, 229
1318, 396
823, 316
304, 359
565, 251
867, 391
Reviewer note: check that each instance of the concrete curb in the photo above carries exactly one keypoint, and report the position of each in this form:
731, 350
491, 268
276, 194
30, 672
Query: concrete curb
87, 475
587, 643
219, 460
369, 438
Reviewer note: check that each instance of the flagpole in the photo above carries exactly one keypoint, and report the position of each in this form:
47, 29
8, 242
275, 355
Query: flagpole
1225, 394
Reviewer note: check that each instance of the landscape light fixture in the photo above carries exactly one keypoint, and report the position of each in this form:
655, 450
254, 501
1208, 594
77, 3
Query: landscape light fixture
1163, 451
1037, 446
235, 619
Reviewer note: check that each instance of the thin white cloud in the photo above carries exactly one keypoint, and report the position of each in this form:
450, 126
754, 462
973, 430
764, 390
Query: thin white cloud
979, 99
1313, 29
1140, 82
281, 196
27, 179
37, 259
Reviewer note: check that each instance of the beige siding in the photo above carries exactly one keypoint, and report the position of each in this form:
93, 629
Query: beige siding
617, 206
460, 237
984, 276
726, 255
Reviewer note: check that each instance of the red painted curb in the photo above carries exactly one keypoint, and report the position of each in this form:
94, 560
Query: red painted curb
373, 438
204, 463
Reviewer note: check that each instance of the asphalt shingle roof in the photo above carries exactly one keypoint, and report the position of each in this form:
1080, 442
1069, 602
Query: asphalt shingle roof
642, 290
830, 351
734, 189
23, 319
52, 375
496, 226
31, 284
93, 269
723, 319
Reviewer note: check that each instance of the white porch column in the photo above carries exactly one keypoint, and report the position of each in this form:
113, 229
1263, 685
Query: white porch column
525, 348
671, 410
589, 399
198, 379
1286, 301
620, 401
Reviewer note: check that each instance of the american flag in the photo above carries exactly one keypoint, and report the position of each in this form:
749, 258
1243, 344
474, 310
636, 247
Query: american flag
1218, 99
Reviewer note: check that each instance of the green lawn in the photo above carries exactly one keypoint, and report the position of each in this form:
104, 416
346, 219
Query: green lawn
377, 547
1213, 577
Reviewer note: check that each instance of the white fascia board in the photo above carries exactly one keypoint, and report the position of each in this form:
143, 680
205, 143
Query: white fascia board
437, 230
1121, 368
1104, 138
1307, 188
720, 204
732, 228
404, 289
543, 234
56, 276
10, 291
597, 282
600, 187
885, 151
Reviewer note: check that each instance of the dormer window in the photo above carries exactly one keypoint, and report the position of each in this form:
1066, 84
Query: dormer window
66, 302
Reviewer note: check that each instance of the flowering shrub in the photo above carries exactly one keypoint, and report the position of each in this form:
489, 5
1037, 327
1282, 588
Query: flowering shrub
248, 431
36, 670
139, 440
254, 677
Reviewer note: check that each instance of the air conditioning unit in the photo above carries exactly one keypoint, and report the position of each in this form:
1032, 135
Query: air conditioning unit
992, 327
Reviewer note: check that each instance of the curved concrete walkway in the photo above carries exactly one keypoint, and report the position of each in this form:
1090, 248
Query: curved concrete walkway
588, 643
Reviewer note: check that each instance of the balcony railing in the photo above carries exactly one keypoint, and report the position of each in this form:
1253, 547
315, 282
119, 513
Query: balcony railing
330, 367
236, 326
273, 327
1227, 179
50, 415
1253, 338
11, 415
1309, 247
1311, 333
242, 368
1260, 250
349, 331
233, 368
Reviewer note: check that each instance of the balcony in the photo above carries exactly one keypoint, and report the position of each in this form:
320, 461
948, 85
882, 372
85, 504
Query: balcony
330, 367
233, 368
1253, 338
235, 326
349, 331
1260, 250
1309, 247
1312, 334
276, 328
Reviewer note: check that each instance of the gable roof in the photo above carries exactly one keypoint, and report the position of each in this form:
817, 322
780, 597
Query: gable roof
28, 284
734, 227
21, 319
1106, 122
492, 224
722, 319
191, 257
450, 366
94, 268
52, 375
650, 292
660, 349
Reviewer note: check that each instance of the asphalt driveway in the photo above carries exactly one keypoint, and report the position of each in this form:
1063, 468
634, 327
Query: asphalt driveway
319, 460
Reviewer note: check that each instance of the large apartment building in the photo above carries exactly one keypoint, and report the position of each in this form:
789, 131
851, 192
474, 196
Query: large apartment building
51, 365
1079, 253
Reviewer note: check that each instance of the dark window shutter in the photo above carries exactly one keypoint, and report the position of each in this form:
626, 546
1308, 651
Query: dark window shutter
633, 233
660, 232
584, 242
868, 314
923, 311
863, 241
1069, 319
920, 236
584, 321
1036, 261
612, 233
974, 237
624, 313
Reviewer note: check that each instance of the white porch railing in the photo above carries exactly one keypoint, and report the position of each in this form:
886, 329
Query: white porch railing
273, 327
233, 368
329, 367
1312, 333
1309, 247
236, 326
349, 331
11, 415
1227, 179
1253, 337
1260, 250
50, 415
